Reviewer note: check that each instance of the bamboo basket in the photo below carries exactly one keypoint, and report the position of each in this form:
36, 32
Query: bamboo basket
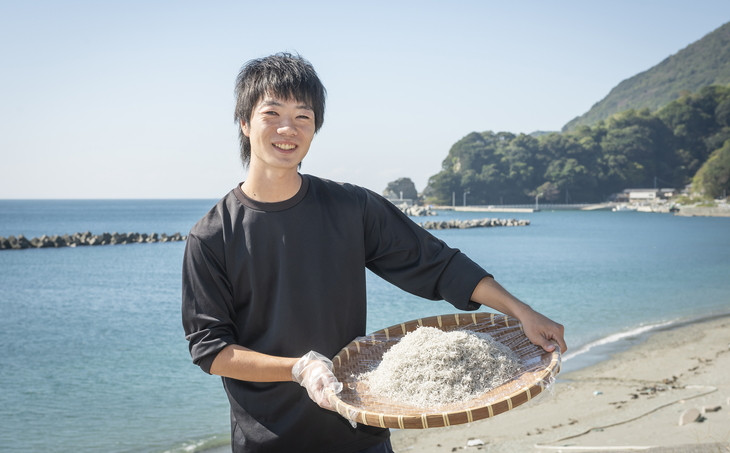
363, 354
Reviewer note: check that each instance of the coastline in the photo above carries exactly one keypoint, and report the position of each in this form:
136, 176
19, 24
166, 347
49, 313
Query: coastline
722, 209
632, 400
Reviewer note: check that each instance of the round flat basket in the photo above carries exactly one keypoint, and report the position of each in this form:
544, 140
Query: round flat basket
363, 354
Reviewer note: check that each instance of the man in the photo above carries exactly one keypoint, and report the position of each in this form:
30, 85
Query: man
277, 269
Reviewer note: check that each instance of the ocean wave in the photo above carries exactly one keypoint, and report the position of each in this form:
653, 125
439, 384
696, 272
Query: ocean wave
212, 444
615, 338
639, 331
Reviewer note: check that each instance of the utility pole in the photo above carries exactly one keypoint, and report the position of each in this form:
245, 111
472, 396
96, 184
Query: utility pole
465, 193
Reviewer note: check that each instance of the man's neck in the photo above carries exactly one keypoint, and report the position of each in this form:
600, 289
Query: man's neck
271, 187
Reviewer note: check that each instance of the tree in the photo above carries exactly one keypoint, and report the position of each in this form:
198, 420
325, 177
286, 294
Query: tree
548, 191
634, 150
692, 119
520, 162
441, 186
567, 174
713, 178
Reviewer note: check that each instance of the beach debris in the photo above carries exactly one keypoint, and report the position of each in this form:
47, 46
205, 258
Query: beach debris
651, 391
597, 393
618, 404
474, 442
706, 409
689, 416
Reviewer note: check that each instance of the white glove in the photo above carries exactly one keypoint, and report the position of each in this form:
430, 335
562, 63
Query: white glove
314, 372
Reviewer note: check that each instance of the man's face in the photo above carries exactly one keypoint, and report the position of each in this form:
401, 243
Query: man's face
280, 132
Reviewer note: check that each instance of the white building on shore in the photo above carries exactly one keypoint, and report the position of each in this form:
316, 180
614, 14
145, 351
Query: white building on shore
645, 195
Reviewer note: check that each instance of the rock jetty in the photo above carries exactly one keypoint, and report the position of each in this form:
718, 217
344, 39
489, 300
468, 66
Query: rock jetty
86, 238
474, 223
417, 211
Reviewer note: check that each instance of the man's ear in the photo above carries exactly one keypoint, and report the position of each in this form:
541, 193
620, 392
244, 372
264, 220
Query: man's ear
244, 128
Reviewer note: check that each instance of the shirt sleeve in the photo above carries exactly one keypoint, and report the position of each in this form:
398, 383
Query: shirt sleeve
207, 307
405, 254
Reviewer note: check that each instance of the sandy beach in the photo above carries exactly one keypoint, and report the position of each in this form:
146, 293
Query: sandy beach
630, 402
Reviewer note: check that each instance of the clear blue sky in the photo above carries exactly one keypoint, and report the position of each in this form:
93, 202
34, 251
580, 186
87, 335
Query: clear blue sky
134, 99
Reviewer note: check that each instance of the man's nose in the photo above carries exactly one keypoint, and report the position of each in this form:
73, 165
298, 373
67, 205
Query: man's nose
286, 127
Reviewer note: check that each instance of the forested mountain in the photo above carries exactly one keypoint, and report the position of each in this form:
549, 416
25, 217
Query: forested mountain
703, 63
630, 149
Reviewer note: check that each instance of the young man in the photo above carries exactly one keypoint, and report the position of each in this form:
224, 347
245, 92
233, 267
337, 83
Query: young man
277, 269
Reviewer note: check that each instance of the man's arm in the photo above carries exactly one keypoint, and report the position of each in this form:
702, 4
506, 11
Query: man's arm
541, 330
312, 371
241, 363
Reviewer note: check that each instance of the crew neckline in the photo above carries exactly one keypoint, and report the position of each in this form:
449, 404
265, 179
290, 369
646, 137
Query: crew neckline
275, 206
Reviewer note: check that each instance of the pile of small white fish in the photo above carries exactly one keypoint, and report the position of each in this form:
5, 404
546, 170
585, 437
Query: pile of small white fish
429, 367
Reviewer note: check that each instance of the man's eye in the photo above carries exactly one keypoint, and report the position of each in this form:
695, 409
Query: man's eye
270, 112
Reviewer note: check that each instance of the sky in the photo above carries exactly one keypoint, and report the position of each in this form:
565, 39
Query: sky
134, 99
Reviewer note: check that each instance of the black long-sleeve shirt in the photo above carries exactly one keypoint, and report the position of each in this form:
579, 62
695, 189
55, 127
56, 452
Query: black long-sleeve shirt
289, 277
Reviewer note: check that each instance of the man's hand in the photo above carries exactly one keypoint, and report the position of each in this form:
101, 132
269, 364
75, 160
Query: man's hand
539, 329
314, 372
543, 331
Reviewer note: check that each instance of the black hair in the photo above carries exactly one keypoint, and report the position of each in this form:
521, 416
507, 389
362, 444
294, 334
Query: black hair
282, 75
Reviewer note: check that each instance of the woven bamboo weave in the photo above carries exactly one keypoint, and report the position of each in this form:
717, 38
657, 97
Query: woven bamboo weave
537, 372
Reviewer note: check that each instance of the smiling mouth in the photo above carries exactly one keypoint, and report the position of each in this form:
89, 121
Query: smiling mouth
285, 146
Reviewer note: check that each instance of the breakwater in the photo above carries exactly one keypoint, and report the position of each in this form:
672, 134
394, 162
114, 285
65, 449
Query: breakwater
88, 239
85, 239
474, 223
417, 211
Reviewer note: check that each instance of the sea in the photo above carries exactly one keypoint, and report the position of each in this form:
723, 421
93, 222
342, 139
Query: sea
94, 357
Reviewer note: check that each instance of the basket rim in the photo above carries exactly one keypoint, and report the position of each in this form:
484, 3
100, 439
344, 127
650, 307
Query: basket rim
531, 382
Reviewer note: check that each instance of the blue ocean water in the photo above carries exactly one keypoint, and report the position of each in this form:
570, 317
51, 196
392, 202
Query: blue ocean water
95, 358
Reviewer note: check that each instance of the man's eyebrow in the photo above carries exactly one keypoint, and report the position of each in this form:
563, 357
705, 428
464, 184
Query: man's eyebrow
275, 103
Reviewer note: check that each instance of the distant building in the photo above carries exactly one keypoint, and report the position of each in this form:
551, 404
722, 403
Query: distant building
668, 193
644, 195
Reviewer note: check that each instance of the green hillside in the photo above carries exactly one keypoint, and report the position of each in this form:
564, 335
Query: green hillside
688, 138
703, 63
